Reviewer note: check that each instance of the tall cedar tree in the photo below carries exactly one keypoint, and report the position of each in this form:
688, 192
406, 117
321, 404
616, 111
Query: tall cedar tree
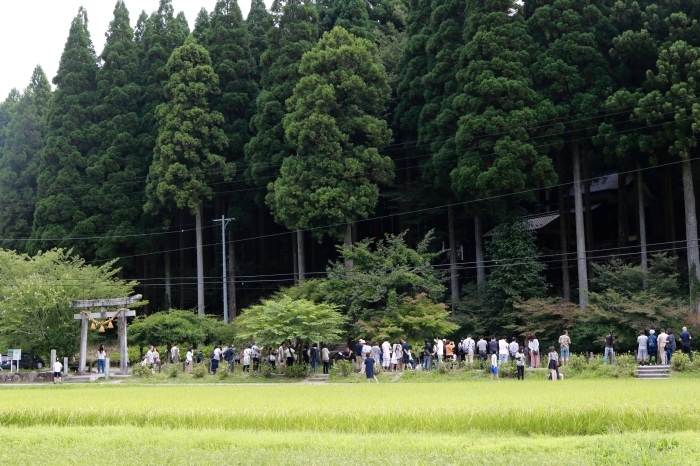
62, 179
438, 120
19, 160
187, 155
335, 123
227, 42
156, 38
572, 72
497, 114
351, 15
296, 32
201, 25
259, 23
116, 171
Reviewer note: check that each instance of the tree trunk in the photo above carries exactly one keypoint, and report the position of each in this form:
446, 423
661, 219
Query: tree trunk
168, 289
231, 279
181, 254
642, 223
691, 224
200, 262
623, 232
669, 215
295, 259
347, 241
300, 255
580, 229
479, 247
564, 243
588, 224
454, 277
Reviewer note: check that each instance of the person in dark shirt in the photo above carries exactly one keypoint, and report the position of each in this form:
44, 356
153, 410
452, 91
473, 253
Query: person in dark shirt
314, 358
369, 369
670, 345
609, 348
493, 346
653, 347
404, 348
427, 355
685, 342
358, 354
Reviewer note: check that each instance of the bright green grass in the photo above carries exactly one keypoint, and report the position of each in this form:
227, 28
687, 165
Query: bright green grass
478, 422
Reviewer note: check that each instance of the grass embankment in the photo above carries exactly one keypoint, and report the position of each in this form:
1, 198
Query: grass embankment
582, 422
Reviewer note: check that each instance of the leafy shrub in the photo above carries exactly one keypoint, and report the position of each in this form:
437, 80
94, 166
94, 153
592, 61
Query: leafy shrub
680, 362
173, 371
342, 368
265, 370
141, 371
199, 371
296, 371
508, 371
223, 372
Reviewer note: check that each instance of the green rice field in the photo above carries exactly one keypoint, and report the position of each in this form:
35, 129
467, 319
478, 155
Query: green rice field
479, 422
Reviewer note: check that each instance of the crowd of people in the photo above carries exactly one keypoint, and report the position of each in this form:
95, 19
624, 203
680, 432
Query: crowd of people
391, 357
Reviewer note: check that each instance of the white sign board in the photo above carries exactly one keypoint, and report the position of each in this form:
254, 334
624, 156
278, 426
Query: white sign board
14, 355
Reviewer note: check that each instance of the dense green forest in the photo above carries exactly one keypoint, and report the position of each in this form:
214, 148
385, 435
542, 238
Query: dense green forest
323, 123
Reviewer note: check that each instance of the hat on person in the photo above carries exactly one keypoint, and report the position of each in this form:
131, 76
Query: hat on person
651, 332
362, 341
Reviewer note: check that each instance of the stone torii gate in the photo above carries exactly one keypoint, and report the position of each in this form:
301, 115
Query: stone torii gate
103, 304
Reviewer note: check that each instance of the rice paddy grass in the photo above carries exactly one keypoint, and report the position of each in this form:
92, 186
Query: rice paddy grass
479, 422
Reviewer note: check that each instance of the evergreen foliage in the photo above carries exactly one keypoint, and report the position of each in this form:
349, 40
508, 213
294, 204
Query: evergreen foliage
334, 123
62, 179
22, 143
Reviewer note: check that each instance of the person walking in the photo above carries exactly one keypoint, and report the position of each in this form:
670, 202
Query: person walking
101, 355
553, 364
609, 348
494, 366
534, 346
685, 342
369, 368
670, 345
661, 343
564, 344
652, 347
642, 352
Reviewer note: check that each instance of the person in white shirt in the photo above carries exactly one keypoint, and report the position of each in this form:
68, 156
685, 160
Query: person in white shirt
513, 348
174, 354
281, 357
366, 353
661, 343
439, 349
534, 346
325, 358
57, 368
189, 359
247, 357
386, 355
642, 352
469, 346
503, 350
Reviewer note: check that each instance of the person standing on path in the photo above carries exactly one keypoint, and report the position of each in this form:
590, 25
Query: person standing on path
609, 348
101, 355
653, 347
174, 354
661, 343
494, 366
405, 348
358, 354
564, 344
553, 364
520, 363
57, 368
642, 352
314, 358
503, 349
427, 355
469, 346
534, 346
685, 342
189, 359
325, 358
216, 357
369, 369
482, 346
513, 348
670, 345
386, 356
